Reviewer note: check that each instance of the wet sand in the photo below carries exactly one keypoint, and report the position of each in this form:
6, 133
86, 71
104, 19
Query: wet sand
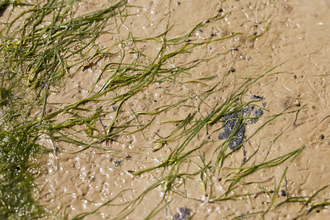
296, 36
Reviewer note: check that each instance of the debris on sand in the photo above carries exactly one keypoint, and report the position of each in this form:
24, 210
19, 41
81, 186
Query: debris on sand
182, 214
234, 127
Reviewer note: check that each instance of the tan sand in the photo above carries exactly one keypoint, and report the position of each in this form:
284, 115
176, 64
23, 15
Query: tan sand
298, 30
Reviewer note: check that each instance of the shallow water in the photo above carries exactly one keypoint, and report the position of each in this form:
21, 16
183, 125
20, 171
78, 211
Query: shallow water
295, 36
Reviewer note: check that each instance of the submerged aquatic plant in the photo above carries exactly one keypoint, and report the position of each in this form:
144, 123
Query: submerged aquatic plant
48, 40
35, 47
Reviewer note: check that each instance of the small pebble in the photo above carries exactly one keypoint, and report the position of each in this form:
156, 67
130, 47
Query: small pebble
255, 97
282, 193
56, 149
117, 163
321, 137
232, 70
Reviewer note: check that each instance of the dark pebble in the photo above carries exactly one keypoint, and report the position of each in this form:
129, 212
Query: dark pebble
282, 193
232, 70
321, 137
56, 149
255, 97
117, 163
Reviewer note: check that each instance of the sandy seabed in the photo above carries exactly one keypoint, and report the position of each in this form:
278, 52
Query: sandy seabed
295, 36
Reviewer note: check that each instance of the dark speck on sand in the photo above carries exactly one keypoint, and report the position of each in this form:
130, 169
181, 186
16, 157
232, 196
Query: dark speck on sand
117, 163
182, 214
255, 97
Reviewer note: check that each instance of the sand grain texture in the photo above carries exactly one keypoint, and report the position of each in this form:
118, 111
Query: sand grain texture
298, 34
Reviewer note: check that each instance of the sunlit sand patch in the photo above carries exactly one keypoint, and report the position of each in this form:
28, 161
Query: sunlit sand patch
128, 102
